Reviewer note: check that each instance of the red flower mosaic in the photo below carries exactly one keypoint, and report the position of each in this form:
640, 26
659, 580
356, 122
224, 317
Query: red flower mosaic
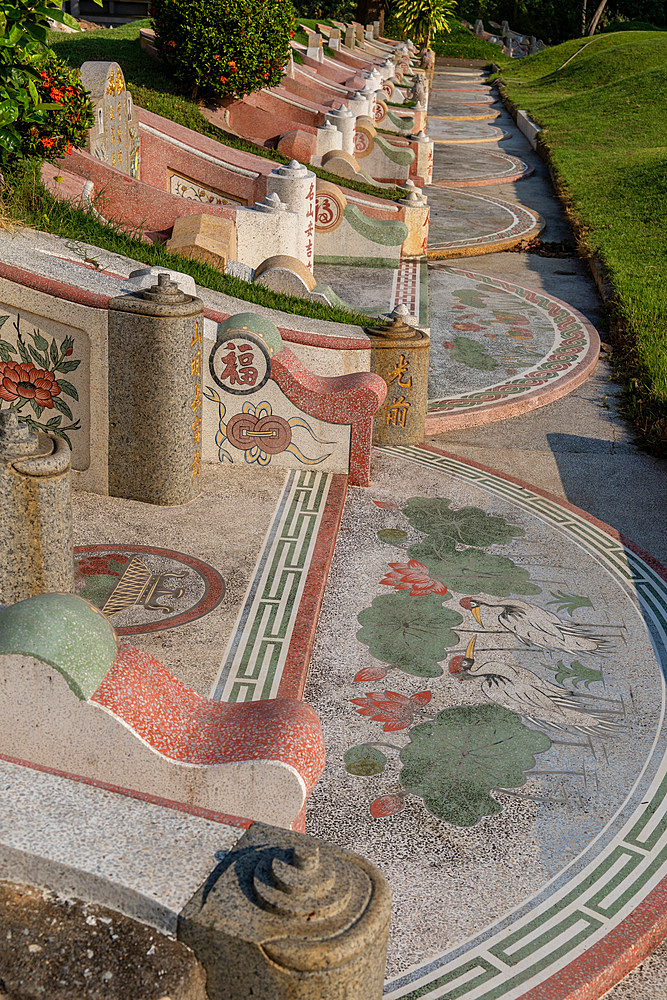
413, 576
373, 673
392, 708
22, 380
387, 805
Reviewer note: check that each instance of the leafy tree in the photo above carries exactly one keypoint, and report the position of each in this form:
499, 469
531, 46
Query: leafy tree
338, 10
224, 47
422, 19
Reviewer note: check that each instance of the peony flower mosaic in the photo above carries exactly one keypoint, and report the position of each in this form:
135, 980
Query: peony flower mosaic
32, 380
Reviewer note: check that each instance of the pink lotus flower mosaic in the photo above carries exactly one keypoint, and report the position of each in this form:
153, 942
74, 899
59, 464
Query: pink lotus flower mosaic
373, 673
392, 708
413, 576
387, 805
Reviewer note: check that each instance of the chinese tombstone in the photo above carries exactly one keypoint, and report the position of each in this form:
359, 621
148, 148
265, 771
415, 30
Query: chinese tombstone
114, 138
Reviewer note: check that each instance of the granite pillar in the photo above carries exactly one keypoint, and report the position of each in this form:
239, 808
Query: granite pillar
35, 512
288, 917
344, 121
400, 354
155, 399
295, 186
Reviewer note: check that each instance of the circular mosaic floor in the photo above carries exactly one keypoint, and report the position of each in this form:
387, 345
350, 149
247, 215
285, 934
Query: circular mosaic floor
464, 112
495, 732
463, 224
478, 95
442, 131
503, 347
464, 167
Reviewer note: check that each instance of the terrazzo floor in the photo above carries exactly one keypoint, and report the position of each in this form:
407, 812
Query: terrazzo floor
512, 790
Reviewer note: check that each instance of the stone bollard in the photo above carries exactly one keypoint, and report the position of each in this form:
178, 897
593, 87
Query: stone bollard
290, 918
35, 512
400, 354
155, 398
344, 121
295, 186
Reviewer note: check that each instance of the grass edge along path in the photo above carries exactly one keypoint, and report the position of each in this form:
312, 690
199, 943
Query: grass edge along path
604, 138
28, 203
151, 87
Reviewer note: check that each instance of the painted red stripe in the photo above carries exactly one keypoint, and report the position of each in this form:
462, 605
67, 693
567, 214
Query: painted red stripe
215, 817
300, 648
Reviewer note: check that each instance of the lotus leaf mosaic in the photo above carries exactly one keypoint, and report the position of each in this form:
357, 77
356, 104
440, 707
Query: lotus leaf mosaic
457, 757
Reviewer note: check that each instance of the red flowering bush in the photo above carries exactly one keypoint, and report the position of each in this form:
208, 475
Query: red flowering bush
63, 116
224, 47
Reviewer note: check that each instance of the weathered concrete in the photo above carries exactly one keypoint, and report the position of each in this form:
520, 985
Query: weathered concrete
35, 504
65, 950
290, 918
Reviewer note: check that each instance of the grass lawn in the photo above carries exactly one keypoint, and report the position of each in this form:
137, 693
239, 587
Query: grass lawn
29, 203
460, 43
605, 130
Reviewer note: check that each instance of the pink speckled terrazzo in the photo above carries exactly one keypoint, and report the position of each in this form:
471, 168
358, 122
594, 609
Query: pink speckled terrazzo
180, 724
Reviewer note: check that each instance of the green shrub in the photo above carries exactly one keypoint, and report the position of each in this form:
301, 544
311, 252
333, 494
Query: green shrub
24, 54
52, 133
224, 47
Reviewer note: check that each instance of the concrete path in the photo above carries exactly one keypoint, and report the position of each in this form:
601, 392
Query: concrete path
578, 447
537, 889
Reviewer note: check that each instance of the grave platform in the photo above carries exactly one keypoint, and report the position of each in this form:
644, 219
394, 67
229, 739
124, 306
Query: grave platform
532, 864
460, 167
464, 224
505, 348
445, 132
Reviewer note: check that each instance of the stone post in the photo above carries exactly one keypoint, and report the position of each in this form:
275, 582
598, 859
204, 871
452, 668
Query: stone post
400, 354
479, 27
387, 68
344, 120
155, 399
290, 918
327, 139
349, 36
334, 39
295, 186
358, 104
376, 29
35, 512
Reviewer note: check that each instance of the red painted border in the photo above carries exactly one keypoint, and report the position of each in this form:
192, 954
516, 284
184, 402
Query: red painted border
72, 293
215, 587
215, 817
50, 286
607, 962
604, 964
295, 671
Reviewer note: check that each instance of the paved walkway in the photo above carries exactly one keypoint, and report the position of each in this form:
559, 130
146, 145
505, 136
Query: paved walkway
511, 788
